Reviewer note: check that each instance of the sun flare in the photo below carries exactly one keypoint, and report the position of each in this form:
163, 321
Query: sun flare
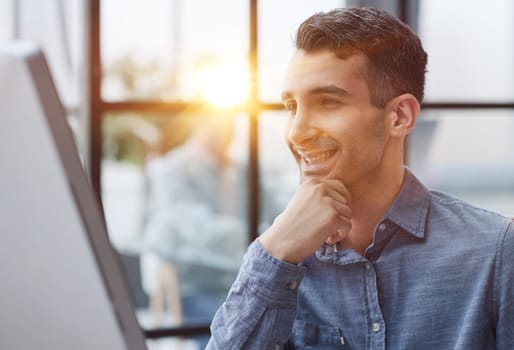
224, 85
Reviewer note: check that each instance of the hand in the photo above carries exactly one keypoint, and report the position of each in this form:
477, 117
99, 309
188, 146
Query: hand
318, 212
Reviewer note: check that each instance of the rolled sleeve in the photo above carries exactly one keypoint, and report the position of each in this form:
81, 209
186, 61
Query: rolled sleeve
269, 278
261, 306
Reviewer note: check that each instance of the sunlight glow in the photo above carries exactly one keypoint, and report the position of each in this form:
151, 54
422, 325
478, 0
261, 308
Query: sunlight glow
224, 85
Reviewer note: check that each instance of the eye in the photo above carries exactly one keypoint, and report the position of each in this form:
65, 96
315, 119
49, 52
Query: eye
290, 106
329, 101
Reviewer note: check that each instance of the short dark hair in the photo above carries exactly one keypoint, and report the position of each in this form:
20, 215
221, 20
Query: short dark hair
396, 61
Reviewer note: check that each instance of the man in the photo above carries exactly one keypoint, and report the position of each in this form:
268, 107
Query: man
365, 256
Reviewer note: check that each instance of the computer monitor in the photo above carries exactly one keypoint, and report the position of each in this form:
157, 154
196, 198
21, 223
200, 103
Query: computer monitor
61, 283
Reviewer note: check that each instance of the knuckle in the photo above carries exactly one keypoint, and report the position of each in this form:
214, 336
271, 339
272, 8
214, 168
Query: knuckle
333, 215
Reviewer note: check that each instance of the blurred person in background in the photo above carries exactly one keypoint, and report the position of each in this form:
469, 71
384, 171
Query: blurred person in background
195, 231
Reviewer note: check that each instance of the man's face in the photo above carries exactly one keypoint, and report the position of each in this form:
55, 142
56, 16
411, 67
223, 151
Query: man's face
333, 130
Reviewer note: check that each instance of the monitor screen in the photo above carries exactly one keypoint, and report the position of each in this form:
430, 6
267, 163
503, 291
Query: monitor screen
62, 286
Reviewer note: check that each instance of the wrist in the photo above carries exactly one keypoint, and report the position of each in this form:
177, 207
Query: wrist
276, 247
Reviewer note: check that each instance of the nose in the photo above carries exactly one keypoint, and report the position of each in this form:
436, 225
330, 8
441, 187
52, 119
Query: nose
300, 128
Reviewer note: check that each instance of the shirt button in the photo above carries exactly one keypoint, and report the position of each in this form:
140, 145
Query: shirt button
382, 227
376, 327
367, 266
292, 284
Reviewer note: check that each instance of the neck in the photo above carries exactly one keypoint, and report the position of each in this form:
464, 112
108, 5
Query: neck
371, 198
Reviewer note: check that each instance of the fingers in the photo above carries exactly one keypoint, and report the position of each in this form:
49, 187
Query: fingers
318, 212
334, 188
341, 232
338, 186
342, 209
336, 196
342, 197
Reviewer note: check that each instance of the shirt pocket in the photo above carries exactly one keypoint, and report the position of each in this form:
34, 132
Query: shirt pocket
307, 336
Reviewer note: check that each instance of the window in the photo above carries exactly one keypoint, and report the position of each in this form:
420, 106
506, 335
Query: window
459, 40
278, 21
468, 153
174, 156
170, 50
462, 145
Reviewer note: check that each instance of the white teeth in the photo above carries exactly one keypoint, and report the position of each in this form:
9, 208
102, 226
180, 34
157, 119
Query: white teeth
319, 158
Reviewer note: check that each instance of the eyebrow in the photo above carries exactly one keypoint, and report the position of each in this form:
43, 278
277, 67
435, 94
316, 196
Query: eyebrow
329, 89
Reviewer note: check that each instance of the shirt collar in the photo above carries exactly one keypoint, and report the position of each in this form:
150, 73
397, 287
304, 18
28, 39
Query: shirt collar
410, 207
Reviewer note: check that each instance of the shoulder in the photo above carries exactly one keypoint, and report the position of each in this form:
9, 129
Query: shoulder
463, 211
461, 218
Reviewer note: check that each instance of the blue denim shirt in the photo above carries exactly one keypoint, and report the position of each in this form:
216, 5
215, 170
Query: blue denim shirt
438, 275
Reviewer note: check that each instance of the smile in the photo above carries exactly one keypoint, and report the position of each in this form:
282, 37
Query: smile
318, 158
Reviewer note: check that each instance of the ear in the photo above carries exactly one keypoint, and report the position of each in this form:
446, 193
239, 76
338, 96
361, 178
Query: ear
403, 111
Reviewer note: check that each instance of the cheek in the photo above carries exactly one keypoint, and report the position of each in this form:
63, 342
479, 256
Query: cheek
375, 147
366, 145
375, 131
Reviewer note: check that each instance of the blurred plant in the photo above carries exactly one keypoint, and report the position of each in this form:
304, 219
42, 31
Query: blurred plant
128, 138
129, 79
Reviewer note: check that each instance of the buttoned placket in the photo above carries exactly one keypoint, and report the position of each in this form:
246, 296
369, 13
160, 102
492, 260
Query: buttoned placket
376, 321
375, 338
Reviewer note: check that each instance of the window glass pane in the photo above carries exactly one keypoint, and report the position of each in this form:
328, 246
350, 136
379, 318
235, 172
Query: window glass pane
467, 153
174, 195
6, 20
470, 54
279, 173
278, 21
58, 28
173, 49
